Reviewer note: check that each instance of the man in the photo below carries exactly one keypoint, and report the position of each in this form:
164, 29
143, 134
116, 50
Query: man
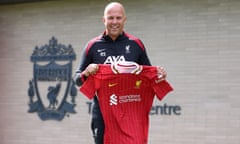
112, 46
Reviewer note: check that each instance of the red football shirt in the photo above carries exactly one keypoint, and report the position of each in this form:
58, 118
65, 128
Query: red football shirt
125, 94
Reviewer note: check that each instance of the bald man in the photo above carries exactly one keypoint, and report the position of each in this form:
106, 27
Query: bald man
113, 45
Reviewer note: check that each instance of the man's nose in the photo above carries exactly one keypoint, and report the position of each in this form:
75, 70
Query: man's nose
114, 20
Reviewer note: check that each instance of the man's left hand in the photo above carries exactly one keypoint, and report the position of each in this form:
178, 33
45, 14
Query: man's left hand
162, 74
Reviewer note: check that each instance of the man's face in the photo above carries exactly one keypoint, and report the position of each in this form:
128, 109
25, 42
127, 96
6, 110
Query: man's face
114, 19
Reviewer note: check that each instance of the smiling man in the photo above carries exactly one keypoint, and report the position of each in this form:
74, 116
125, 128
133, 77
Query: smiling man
113, 45
114, 19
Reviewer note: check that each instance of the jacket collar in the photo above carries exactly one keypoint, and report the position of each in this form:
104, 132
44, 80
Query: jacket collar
108, 38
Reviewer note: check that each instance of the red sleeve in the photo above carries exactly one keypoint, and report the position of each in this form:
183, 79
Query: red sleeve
89, 87
162, 88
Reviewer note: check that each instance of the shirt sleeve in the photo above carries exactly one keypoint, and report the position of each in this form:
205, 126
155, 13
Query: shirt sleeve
89, 87
161, 88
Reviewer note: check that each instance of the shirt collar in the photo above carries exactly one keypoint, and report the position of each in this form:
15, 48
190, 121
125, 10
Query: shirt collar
126, 67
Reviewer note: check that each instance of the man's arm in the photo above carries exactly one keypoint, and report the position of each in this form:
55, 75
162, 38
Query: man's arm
79, 75
144, 60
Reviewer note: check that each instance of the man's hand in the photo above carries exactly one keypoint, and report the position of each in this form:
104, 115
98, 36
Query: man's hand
162, 74
90, 70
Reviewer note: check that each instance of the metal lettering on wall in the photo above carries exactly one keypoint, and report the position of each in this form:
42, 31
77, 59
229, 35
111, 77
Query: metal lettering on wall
52, 83
164, 109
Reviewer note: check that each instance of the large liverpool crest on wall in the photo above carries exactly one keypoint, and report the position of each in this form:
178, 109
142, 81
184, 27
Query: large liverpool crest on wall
52, 91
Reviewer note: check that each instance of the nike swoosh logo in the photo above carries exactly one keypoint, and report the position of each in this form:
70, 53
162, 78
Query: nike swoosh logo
112, 84
100, 50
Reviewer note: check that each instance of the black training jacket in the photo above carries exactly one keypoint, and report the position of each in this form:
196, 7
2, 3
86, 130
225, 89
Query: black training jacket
103, 50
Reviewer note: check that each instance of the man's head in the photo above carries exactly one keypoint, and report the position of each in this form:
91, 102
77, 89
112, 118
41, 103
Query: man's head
114, 19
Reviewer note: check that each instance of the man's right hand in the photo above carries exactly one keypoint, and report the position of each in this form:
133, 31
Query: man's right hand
90, 70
